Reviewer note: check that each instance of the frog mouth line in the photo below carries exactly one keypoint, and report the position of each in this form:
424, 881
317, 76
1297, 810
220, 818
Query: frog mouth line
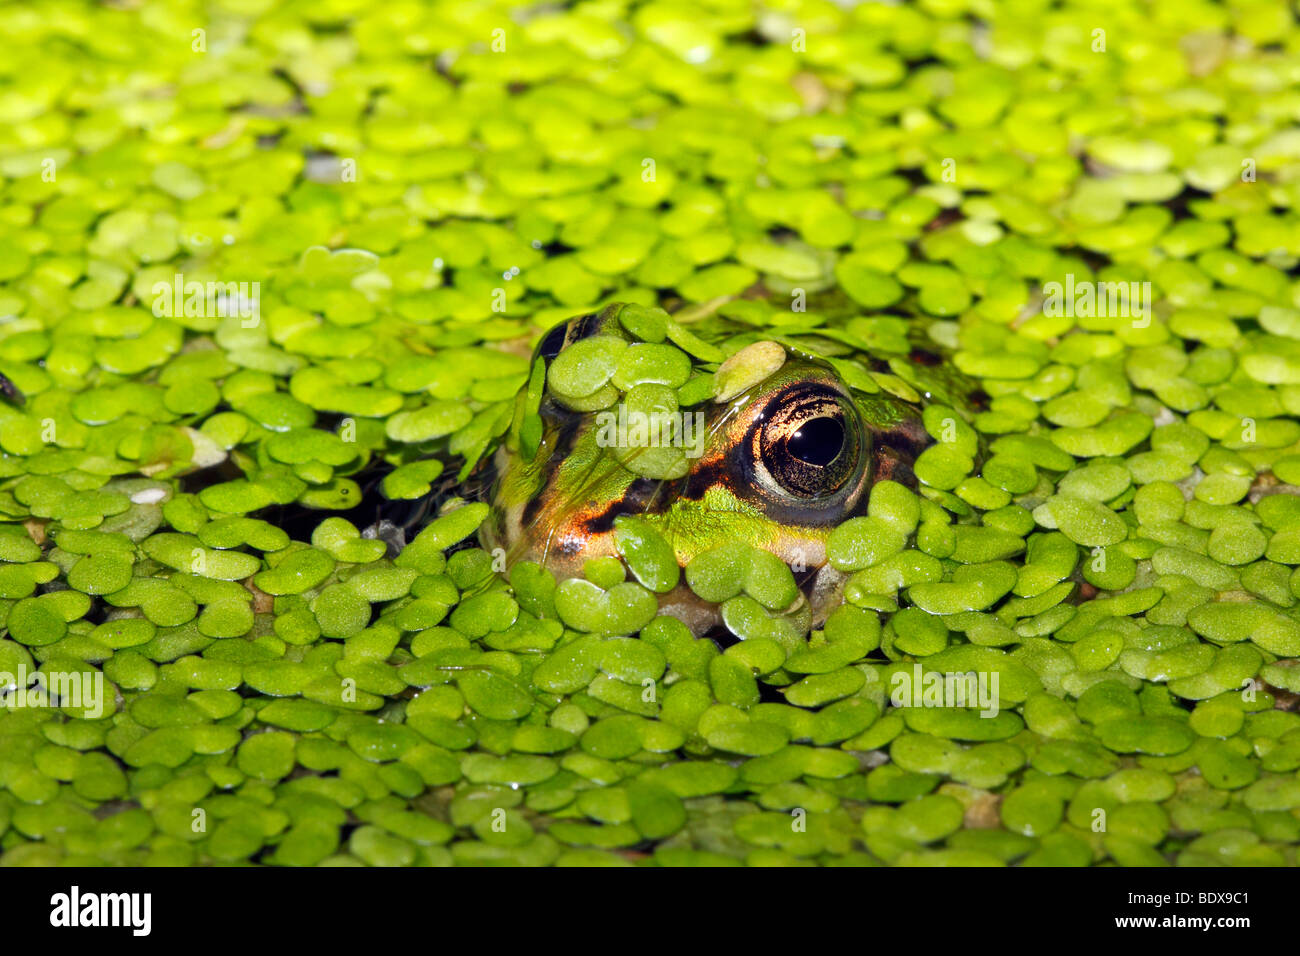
820, 591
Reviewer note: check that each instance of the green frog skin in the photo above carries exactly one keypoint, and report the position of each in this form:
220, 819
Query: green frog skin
780, 465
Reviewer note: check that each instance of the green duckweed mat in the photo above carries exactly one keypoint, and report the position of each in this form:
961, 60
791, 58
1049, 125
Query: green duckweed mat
393, 200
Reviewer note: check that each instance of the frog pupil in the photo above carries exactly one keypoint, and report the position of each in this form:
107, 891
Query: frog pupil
818, 441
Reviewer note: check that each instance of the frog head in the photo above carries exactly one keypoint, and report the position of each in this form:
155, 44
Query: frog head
770, 447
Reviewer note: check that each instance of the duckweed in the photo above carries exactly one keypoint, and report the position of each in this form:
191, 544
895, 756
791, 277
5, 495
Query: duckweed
1087, 599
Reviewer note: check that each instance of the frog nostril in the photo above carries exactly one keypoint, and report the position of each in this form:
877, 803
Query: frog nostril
818, 441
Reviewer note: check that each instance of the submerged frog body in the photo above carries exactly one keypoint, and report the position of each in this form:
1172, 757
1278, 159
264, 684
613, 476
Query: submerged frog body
772, 448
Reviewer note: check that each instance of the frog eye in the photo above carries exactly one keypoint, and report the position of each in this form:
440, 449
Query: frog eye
808, 442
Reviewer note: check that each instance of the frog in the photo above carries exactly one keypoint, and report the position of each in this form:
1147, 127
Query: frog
9, 392
777, 461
